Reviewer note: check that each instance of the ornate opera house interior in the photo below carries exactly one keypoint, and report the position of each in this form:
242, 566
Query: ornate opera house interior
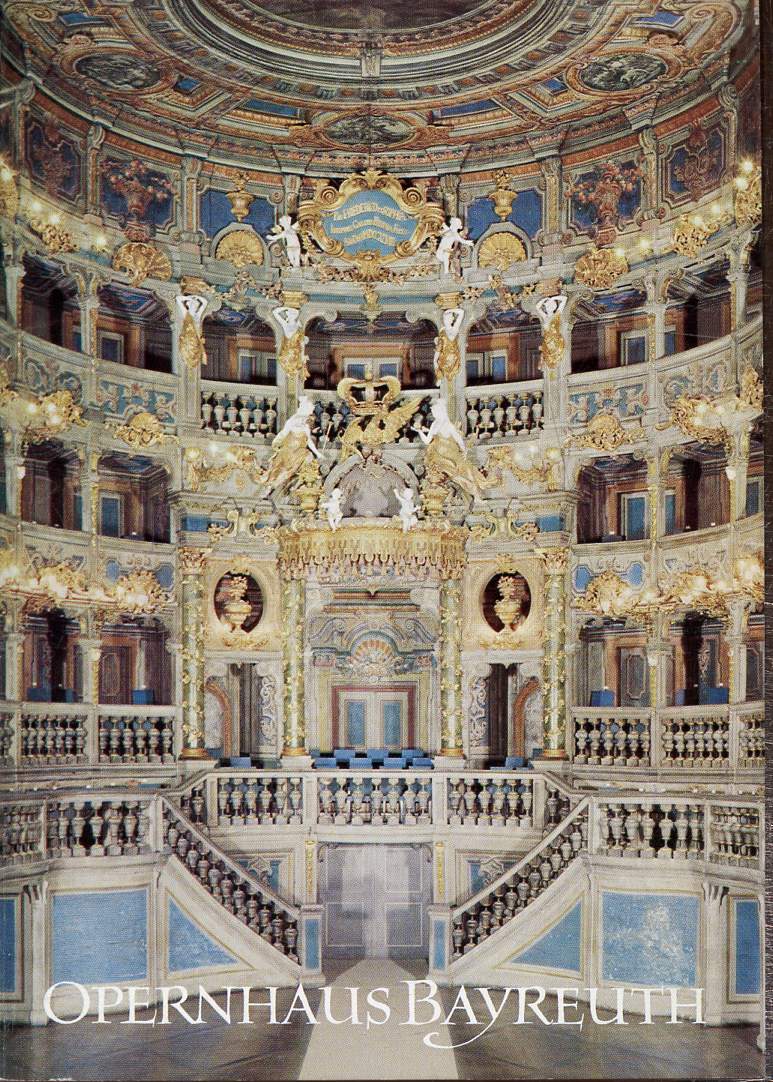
381, 497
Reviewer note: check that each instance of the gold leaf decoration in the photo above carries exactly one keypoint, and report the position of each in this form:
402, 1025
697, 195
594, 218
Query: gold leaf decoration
500, 251
600, 268
240, 248
140, 260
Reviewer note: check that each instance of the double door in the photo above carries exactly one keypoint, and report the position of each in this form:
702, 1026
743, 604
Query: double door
375, 900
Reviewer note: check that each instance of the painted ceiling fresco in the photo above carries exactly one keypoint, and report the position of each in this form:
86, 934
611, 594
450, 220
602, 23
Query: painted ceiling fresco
331, 81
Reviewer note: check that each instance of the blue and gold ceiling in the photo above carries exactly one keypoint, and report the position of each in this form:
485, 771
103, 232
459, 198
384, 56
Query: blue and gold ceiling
310, 85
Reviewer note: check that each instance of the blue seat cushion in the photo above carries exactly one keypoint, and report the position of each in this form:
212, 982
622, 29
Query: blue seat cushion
421, 761
394, 762
602, 697
514, 762
325, 763
360, 763
343, 753
408, 753
240, 761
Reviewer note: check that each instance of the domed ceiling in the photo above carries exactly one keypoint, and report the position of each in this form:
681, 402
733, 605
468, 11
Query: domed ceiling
315, 83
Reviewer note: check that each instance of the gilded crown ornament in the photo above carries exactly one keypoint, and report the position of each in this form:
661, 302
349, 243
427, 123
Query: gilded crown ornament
375, 418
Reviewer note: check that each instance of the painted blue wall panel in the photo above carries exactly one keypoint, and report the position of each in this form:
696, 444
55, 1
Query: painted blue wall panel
650, 939
747, 947
189, 947
100, 937
8, 935
311, 944
216, 213
355, 723
392, 728
439, 944
558, 948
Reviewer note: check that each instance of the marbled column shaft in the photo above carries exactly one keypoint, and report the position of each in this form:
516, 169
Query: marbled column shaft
554, 655
292, 663
451, 667
192, 655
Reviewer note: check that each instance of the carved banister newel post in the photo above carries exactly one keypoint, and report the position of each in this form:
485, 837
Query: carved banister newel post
191, 566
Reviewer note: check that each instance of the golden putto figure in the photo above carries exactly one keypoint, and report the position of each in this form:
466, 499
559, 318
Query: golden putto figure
292, 448
446, 457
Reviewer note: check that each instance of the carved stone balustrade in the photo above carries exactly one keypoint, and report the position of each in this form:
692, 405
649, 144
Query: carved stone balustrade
378, 799
238, 892
751, 739
7, 734
21, 833
499, 902
649, 829
619, 737
259, 799
734, 835
53, 738
239, 410
491, 800
97, 827
136, 739
700, 740
504, 411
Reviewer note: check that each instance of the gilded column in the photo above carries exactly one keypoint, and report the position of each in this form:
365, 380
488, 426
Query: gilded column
293, 601
451, 668
554, 654
191, 565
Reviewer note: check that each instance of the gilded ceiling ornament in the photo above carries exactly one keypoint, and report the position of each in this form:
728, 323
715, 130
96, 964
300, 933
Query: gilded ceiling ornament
143, 430
239, 198
500, 251
500, 459
503, 526
237, 459
553, 344
366, 205
9, 193
748, 196
502, 197
751, 388
607, 595
691, 232
191, 343
55, 237
376, 420
600, 268
427, 550
241, 248
139, 592
141, 260
52, 414
604, 432
555, 561
698, 418
192, 561
7, 394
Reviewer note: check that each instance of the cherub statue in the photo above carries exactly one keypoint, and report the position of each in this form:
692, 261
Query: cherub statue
449, 238
332, 506
287, 231
407, 513
447, 359
446, 456
291, 448
292, 352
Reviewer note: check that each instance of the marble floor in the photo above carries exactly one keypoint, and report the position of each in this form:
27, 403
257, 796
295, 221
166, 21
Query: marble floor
300, 1050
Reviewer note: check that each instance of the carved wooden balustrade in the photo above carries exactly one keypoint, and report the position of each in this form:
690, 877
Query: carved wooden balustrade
611, 737
136, 738
53, 737
235, 889
258, 799
21, 832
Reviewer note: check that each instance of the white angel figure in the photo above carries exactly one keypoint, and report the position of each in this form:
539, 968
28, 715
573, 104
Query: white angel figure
287, 231
449, 238
291, 447
408, 509
332, 507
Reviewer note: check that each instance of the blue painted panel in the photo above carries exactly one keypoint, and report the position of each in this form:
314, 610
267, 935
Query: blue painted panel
650, 939
100, 937
392, 712
215, 213
8, 934
477, 878
369, 221
311, 944
438, 944
195, 523
355, 723
559, 947
635, 518
747, 947
189, 947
